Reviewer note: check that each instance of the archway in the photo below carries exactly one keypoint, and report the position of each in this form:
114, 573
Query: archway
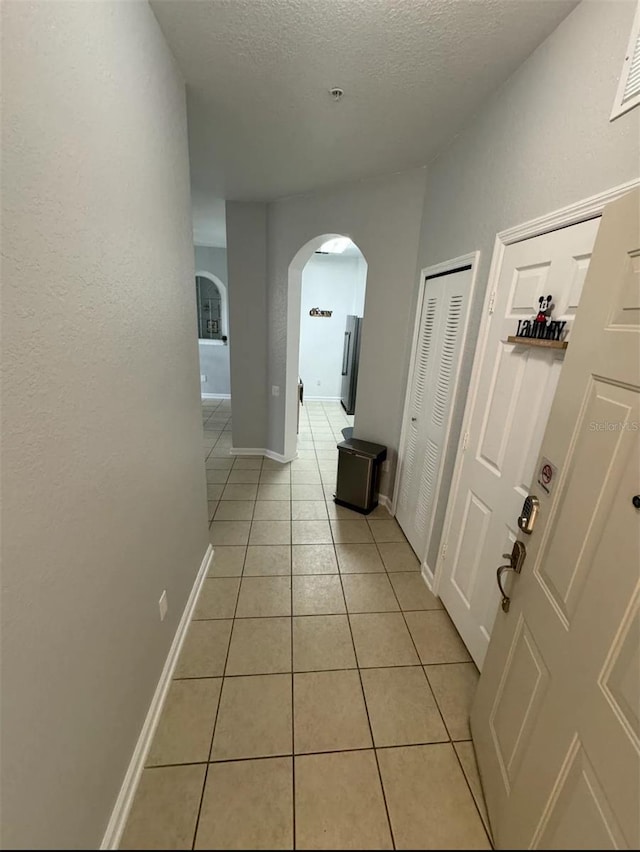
294, 299
224, 306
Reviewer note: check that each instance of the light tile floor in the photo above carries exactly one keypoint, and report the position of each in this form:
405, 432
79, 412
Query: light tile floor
321, 699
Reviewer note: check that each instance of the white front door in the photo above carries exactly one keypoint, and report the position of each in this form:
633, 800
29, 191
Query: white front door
504, 424
556, 720
432, 384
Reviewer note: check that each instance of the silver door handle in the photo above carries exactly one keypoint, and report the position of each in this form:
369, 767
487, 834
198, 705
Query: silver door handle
345, 352
516, 558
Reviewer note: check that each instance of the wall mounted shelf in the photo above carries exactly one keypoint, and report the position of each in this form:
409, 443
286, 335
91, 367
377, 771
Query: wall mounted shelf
532, 341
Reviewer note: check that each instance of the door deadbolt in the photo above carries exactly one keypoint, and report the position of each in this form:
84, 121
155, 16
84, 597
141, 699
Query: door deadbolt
529, 513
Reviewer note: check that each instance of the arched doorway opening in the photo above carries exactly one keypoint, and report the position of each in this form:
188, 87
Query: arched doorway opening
213, 336
213, 307
322, 338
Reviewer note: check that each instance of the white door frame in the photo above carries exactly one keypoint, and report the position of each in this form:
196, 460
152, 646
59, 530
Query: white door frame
473, 260
580, 211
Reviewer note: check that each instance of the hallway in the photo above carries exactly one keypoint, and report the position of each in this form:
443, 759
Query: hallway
321, 697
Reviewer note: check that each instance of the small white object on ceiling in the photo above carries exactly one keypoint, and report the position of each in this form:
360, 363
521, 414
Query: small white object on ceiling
628, 94
336, 93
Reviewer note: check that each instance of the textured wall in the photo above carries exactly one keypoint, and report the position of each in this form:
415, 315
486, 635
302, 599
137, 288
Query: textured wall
247, 264
543, 141
212, 259
383, 218
103, 481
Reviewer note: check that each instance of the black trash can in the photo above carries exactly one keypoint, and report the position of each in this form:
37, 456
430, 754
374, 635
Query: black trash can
358, 469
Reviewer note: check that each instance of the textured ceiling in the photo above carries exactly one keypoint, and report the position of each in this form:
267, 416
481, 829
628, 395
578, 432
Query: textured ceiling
261, 122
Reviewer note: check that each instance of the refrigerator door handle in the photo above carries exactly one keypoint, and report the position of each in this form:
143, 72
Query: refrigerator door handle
345, 352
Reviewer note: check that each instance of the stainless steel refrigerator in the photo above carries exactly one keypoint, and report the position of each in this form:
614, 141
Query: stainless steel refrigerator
350, 359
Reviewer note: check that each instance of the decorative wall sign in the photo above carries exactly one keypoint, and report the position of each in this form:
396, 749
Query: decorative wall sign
316, 312
542, 326
212, 326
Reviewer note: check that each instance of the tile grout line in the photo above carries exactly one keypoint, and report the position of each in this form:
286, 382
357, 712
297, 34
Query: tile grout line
366, 708
300, 754
215, 720
358, 668
420, 663
451, 741
473, 798
293, 716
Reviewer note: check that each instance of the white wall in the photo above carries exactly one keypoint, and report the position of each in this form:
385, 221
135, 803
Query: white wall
212, 259
330, 282
104, 496
361, 287
247, 264
382, 216
214, 364
542, 142
214, 359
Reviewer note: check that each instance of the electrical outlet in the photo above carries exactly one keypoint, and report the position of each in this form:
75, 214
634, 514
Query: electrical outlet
163, 605
203, 378
275, 390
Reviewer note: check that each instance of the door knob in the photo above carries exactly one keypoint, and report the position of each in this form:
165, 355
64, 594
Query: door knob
516, 558
413, 420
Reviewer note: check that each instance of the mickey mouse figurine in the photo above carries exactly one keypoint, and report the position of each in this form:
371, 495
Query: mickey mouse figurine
543, 319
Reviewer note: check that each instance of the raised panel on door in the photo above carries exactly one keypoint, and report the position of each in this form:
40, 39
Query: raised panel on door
504, 392
476, 517
620, 677
517, 700
578, 815
602, 443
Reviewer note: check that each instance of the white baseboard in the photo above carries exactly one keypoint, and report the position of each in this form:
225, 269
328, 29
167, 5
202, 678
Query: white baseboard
120, 813
279, 456
307, 398
260, 451
427, 576
215, 396
383, 500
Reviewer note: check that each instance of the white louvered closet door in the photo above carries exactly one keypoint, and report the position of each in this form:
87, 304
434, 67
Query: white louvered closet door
431, 390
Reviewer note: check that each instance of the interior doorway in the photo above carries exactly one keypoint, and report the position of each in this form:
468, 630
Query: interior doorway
327, 290
212, 306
